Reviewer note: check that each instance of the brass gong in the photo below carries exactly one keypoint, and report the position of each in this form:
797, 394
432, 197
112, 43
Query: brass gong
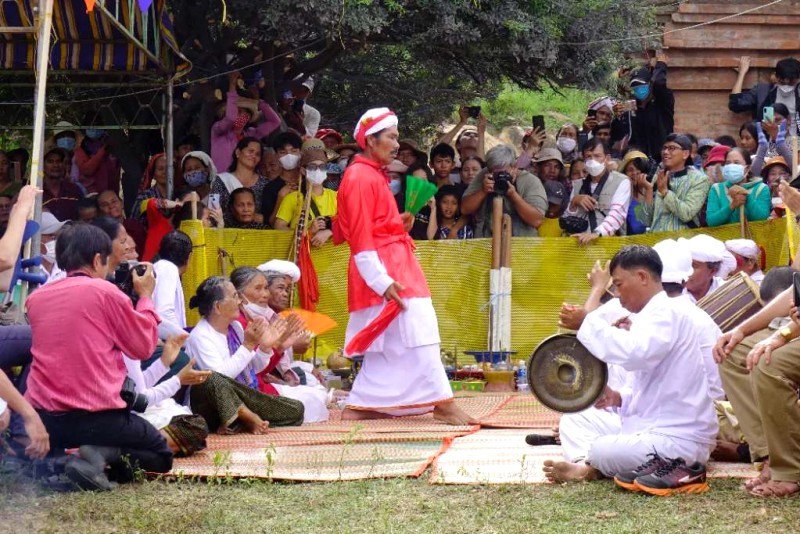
564, 375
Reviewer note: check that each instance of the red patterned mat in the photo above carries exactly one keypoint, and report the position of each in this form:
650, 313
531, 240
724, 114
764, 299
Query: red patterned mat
521, 411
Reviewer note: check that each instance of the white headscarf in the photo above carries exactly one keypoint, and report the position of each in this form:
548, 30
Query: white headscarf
207, 161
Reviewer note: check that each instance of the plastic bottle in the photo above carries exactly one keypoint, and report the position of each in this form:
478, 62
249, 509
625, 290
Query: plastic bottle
522, 376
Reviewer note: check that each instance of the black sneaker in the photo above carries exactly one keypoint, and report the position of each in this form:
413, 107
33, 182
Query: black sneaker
676, 477
626, 478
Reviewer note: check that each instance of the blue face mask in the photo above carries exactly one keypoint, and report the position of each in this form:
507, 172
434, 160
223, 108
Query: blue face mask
94, 134
67, 143
733, 173
395, 186
196, 178
641, 92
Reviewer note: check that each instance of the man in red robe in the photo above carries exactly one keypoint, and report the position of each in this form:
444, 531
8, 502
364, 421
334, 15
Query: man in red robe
402, 373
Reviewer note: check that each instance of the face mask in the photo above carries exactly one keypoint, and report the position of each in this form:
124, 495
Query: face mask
95, 134
50, 251
786, 89
594, 168
641, 92
67, 143
241, 121
733, 173
565, 144
257, 311
316, 177
343, 163
395, 186
289, 161
196, 178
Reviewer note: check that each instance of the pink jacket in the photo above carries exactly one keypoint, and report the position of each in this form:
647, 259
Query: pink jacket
224, 139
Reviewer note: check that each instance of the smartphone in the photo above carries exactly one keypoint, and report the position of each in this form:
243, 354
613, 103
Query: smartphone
474, 111
769, 114
629, 105
796, 283
297, 105
592, 113
213, 201
538, 122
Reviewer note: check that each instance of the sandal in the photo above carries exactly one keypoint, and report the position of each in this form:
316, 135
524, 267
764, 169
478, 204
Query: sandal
776, 488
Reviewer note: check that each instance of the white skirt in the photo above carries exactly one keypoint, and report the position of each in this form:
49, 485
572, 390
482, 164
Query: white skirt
159, 415
314, 399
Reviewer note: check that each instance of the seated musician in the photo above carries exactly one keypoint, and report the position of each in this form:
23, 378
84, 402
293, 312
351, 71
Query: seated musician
711, 262
665, 405
748, 258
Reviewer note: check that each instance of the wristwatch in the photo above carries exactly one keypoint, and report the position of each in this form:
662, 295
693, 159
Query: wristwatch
786, 333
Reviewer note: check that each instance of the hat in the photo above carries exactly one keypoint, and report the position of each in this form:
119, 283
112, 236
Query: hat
313, 154
683, 141
705, 142
309, 84
397, 166
745, 248
286, 268
64, 127
676, 259
326, 132
548, 154
771, 162
373, 121
50, 225
317, 144
641, 76
333, 168
600, 102
717, 155
410, 144
630, 156
250, 105
555, 191
706, 248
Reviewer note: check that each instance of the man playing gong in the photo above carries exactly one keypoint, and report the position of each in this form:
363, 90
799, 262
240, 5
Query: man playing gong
665, 409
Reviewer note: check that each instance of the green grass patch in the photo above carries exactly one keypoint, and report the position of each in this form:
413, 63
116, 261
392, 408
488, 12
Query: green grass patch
396, 505
515, 106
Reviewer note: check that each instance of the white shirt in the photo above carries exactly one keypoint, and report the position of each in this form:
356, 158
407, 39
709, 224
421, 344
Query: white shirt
168, 299
617, 213
709, 334
715, 283
146, 380
669, 393
210, 349
757, 277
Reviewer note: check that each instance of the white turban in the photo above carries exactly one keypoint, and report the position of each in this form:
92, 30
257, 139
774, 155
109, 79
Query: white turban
706, 249
205, 159
371, 122
283, 267
677, 261
745, 248
603, 101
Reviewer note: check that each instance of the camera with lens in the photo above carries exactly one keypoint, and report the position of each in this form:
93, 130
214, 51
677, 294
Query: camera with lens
501, 181
135, 401
123, 277
328, 223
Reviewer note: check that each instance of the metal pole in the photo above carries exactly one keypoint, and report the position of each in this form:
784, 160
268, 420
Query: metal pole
169, 142
45, 24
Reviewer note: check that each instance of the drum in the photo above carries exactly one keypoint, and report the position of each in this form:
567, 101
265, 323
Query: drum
733, 302
564, 375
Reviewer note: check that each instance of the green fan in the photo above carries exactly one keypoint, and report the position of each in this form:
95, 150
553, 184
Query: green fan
418, 192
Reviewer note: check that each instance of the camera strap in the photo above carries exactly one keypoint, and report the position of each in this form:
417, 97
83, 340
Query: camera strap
586, 189
314, 208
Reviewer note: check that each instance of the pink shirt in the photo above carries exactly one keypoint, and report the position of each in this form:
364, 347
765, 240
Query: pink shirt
224, 139
80, 327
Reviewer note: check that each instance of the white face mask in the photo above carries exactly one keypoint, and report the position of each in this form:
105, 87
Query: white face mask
50, 251
565, 144
316, 177
289, 161
395, 186
594, 168
254, 310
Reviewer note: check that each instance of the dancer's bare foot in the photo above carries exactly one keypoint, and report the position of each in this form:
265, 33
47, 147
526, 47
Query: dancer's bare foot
451, 414
762, 478
360, 415
569, 472
252, 422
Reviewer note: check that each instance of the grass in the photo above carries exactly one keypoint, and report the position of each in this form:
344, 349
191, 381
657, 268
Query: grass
396, 505
515, 106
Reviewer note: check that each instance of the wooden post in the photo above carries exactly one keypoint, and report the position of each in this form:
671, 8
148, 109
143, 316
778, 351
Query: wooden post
790, 215
497, 231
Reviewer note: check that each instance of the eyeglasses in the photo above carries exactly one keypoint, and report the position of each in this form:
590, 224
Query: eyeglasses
672, 148
316, 167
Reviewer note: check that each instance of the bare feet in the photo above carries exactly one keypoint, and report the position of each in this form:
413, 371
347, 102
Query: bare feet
451, 414
776, 488
762, 478
252, 422
360, 415
569, 472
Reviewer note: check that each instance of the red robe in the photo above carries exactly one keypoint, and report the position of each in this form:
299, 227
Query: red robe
368, 220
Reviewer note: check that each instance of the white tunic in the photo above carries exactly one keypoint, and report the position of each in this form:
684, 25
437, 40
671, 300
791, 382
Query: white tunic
210, 349
161, 408
669, 392
168, 299
715, 283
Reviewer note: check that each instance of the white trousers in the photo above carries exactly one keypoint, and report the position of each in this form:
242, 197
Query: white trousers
399, 380
579, 430
314, 399
615, 453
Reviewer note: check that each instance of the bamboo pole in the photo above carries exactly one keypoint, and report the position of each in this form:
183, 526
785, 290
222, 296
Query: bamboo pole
497, 231
790, 216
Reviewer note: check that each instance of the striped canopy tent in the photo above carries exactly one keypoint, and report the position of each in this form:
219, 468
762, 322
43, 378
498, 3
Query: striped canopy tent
117, 36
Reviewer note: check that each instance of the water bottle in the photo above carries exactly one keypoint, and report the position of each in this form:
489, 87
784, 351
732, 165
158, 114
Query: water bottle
522, 377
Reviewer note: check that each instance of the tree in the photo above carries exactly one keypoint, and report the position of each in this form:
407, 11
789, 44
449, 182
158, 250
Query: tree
419, 57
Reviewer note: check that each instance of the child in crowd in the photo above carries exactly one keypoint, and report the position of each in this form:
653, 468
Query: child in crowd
556, 194
87, 208
443, 161
446, 221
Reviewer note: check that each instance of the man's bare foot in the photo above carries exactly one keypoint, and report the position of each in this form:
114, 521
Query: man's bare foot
762, 478
252, 422
776, 488
360, 415
568, 472
451, 414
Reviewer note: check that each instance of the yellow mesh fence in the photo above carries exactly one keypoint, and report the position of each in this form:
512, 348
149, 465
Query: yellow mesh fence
545, 273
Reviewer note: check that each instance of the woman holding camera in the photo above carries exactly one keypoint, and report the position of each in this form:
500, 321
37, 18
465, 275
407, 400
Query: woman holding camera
322, 207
